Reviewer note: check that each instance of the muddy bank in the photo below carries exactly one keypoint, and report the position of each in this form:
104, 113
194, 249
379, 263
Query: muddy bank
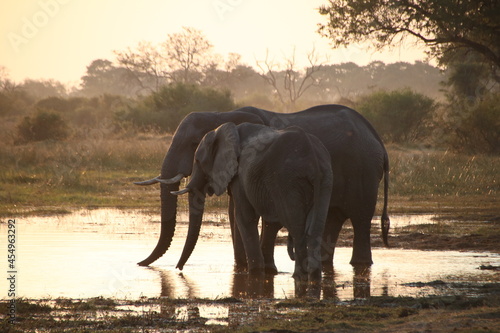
421, 241
453, 233
458, 232
377, 314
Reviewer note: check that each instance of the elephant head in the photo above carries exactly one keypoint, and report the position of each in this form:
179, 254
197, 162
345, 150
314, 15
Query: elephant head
215, 165
178, 163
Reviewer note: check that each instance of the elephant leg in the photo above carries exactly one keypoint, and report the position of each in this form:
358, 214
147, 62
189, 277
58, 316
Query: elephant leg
240, 259
361, 219
361, 209
361, 248
267, 240
247, 221
334, 222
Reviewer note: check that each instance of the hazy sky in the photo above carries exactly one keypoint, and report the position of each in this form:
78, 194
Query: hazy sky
58, 38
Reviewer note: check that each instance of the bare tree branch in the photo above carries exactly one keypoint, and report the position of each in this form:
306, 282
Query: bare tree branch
294, 83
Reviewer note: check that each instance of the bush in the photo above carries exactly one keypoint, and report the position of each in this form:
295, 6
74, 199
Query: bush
477, 124
166, 108
44, 125
398, 116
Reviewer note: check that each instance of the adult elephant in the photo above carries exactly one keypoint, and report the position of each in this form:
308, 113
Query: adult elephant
244, 159
360, 162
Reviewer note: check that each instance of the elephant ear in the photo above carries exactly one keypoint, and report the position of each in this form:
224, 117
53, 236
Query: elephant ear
218, 155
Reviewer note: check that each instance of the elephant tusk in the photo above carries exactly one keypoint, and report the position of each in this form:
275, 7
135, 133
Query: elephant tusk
172, 180
183, 191
148, 182
155, 180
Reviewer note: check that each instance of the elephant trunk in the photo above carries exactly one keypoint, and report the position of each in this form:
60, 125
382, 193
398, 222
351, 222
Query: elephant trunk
168, 220
196, 209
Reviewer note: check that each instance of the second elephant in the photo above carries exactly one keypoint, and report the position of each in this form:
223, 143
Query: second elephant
283, 176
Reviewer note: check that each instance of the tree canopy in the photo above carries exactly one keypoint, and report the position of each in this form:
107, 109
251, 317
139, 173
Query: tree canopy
446, 26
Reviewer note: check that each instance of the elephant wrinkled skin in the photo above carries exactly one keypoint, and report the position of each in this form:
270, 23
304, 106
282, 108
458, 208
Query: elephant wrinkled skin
359, 162
245, 159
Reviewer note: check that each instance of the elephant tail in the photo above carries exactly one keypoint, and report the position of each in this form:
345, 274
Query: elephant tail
385, 221
289, 247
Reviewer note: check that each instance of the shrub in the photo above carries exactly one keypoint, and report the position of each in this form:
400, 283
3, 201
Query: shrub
44, 125
476, 124
60, 104
166, 108
398, 116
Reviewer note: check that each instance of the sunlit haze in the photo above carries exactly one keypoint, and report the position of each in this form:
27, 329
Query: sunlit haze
57, 39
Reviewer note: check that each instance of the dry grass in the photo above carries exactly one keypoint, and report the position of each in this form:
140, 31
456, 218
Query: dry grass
441, 173
99, 171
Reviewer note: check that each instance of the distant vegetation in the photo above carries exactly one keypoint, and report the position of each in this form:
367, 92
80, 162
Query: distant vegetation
151, 87
401, 116
164, 110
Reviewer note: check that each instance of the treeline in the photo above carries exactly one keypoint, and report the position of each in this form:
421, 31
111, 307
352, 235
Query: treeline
152, 87
400, 116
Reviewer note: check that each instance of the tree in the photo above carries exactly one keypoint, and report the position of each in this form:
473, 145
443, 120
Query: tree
445, 25
6, 84
146, 64
39, 89
102, 77
13, 99
188, 54
183, 57
290, 84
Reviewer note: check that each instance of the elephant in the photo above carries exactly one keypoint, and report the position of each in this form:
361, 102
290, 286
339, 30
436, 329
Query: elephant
244, 159
361, 161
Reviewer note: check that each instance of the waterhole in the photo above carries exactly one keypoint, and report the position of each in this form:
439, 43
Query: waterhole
92, 253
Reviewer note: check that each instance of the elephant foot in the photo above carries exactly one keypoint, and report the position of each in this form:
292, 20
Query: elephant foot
327, 267
271, 269
361, 262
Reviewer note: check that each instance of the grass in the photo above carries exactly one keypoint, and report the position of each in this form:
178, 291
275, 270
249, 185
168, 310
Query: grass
99, 172
441, 173
89, 173
390, 314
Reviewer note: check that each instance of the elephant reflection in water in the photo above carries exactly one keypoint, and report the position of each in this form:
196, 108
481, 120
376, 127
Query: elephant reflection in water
169, 310
361, 282
251, 287
246, 286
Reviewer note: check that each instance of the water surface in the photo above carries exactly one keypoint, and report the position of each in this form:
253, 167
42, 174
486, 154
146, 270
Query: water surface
92, 253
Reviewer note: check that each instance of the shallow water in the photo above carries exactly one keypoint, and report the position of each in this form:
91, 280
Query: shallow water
92, 253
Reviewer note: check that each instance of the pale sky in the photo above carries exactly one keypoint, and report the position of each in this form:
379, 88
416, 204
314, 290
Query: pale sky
57, 39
